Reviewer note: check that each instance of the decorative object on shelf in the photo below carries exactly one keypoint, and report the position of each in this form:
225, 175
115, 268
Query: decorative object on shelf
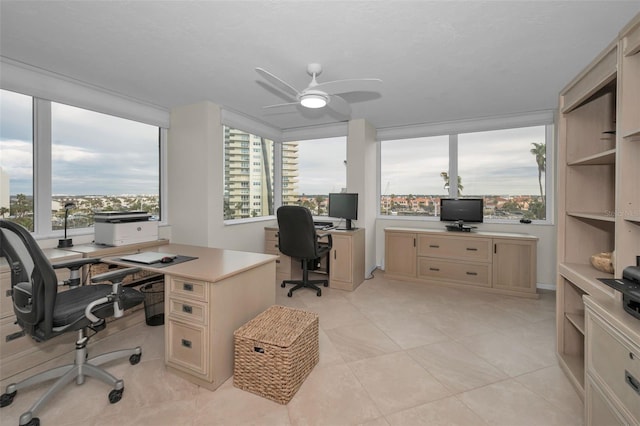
66, 242
603, 261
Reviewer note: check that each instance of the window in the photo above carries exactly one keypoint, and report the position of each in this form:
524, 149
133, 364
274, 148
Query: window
504, 167
16, 158
101, 162
241, 179
413, 175
98, 162
312, 169
507, 169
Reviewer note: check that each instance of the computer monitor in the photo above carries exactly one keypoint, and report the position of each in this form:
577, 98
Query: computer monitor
461, 210
344, 205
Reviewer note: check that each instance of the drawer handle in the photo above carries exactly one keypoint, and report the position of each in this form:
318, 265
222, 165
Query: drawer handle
278, 261
632, 381
187, 309
434, 246
186, 343
259, 350
472, 273
434, 269
631, 356
472, 249
187, 287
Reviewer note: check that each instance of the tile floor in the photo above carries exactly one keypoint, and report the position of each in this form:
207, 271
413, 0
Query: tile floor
391, 353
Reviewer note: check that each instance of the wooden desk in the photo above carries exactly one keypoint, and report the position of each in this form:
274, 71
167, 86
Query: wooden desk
346, 258
206, 300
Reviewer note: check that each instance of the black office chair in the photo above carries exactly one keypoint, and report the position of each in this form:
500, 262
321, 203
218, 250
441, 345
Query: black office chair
43, 313
298, 239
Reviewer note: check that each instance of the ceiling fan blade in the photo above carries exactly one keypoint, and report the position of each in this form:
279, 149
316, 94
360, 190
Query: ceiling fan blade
339, 105
281, 105
280, 84
351, 85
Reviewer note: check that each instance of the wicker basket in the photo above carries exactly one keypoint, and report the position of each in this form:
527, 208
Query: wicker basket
603, 262
275, 352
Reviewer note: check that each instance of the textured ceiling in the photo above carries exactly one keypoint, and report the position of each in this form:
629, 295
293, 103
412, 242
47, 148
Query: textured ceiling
439, 60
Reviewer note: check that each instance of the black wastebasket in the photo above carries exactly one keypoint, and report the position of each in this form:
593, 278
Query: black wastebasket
153, 302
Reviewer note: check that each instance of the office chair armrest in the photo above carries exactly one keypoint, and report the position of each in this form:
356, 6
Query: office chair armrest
74, 269
115, 277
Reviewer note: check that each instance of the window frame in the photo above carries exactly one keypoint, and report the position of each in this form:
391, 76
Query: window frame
42, 169
465, 127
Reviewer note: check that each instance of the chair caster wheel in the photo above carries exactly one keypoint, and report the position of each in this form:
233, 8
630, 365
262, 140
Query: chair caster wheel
282, 285
290, 294
319, 293
7, 398
134, 359
115, 395
33, 422
326, 284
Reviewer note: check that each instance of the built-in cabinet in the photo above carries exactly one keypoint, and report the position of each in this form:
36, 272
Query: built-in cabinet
612, 354
346, 259
598, 181
498, 262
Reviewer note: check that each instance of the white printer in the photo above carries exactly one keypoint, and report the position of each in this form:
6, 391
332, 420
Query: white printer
114, 228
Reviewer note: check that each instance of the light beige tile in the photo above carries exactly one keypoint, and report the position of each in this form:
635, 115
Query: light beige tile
507, 353
409, 330
552, 384
332, 396
444, 412
509, 403
361, 341
455, 366
397, 382
168, 413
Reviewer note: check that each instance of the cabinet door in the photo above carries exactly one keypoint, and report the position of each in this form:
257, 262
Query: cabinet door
514, 265
400, 254
341, 259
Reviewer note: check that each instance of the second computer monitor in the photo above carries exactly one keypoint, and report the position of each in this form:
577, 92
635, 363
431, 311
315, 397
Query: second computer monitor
344, 205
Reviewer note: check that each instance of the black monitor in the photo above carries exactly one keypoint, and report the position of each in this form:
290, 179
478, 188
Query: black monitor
461, 210
344, 205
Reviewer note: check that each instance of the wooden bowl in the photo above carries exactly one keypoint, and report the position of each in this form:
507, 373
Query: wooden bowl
603, 262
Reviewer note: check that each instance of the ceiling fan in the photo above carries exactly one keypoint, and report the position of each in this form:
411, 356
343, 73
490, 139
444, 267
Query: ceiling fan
319, 95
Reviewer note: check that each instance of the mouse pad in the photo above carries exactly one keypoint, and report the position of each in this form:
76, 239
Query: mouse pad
176, 260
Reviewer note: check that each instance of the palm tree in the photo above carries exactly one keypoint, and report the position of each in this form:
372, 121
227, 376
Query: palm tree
540, 150
445, 176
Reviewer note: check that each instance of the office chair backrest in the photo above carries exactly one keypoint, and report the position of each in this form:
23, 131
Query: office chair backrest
296, 232
33, 280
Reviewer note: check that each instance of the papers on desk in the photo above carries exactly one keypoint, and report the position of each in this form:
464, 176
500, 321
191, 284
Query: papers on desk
148, 257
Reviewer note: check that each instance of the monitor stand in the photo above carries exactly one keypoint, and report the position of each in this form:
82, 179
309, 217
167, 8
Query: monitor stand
459, 226
347, 227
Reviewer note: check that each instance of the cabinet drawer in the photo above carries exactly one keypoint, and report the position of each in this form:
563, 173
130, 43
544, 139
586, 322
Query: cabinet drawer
187, 347
6, 304
23, 344
283, 264
271, 247
476, 249
188, 310
614, 363
271, 234
191, 289
599, 410
478, 274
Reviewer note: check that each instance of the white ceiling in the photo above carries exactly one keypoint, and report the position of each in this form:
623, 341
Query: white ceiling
439, 60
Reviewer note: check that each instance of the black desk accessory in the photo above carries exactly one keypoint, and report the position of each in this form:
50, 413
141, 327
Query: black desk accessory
66, 242
629, 286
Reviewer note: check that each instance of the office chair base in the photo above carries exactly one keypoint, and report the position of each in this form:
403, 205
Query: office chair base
66, 373
305, 284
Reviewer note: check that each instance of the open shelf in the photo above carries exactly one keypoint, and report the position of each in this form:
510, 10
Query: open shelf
593, 216
633, 134
577, 320
601, 158
575, 366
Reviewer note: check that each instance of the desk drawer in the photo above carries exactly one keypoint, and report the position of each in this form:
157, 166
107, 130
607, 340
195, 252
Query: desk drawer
615, 363
187, 347
475, 249
191, 289
271, 234
478, 274
188, 310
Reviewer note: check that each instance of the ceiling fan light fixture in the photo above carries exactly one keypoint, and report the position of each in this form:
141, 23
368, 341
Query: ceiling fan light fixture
313, 101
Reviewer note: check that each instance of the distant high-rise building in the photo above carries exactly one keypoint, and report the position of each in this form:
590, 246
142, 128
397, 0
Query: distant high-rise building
4, 189
248, 173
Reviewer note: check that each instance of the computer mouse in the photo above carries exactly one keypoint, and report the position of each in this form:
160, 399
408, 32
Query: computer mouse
166, 259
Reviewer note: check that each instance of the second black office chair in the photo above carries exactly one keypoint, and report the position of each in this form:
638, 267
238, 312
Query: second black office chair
297, 238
